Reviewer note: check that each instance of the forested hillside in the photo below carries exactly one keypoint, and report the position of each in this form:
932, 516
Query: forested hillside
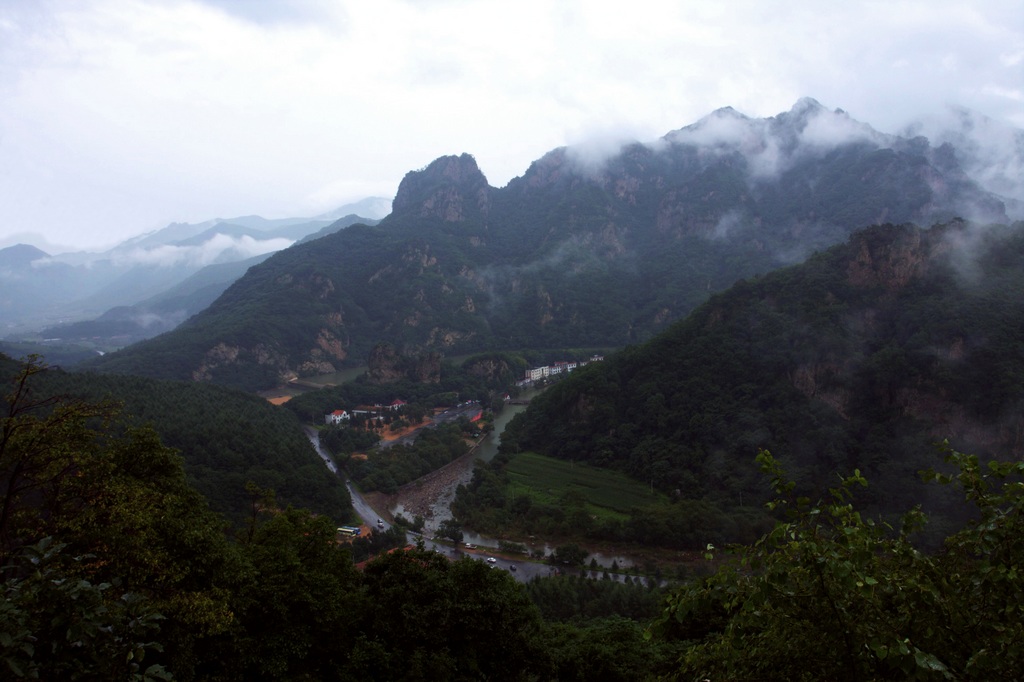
226, 439
862, 358
116, 569
579, 251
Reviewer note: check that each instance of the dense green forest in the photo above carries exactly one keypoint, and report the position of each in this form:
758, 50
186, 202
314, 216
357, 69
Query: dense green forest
116, 569
863, 357
226, 439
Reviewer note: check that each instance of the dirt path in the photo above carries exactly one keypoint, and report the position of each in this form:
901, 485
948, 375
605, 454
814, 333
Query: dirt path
389, 435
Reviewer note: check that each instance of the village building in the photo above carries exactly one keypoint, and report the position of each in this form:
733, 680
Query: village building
562, 367
337, 417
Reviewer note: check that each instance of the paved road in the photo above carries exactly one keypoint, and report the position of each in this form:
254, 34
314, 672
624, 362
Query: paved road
524, 570
364, 510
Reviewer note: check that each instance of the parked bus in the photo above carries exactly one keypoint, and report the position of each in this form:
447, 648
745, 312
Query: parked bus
349, 531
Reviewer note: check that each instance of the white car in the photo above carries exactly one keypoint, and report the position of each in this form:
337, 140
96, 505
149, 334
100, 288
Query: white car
491, 560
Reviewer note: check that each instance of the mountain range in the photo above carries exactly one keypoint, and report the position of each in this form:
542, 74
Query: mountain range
132, 291
588, 248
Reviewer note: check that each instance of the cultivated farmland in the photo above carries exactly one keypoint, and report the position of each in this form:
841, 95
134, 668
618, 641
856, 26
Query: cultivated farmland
547, 480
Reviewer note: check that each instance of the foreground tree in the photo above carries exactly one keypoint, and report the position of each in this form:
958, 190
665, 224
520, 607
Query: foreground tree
295, 615
44, 444
53, 626
830, 595
116, 502
428, 618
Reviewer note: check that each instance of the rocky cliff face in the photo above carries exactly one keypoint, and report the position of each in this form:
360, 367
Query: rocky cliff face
387, 366
892, 260
899, 263
451, 189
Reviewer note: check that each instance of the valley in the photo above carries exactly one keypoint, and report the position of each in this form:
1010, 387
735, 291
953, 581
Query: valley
802, 335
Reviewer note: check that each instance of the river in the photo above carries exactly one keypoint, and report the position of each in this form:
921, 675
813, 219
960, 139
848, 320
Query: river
434, 493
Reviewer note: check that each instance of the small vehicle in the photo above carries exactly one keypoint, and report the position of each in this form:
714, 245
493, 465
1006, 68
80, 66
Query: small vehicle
470, 545
491, 560
512, 567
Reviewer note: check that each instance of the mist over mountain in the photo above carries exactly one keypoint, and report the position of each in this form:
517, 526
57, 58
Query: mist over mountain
992, 153
43, 290
127, 324
20, 256
374, 208
591, 247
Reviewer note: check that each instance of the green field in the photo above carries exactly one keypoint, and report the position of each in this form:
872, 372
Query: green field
608, 493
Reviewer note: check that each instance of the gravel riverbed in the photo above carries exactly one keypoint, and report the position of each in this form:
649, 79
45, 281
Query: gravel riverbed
428, 496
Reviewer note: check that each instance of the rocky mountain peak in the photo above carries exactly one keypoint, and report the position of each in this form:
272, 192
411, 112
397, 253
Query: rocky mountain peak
773, 145
449, 188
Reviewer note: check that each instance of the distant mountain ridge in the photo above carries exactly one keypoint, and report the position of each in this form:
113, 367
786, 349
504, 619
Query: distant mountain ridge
126, 324
21, 256
76, 286
582, 250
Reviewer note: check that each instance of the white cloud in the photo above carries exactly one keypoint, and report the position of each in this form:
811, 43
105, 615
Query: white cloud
825, 129
120, 116
219, 248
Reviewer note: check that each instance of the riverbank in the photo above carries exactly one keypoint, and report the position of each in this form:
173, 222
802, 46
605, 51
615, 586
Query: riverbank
429, 496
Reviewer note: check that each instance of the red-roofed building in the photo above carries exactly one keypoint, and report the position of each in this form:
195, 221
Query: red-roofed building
337, 417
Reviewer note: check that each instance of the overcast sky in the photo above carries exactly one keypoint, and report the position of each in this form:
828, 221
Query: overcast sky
118, 117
